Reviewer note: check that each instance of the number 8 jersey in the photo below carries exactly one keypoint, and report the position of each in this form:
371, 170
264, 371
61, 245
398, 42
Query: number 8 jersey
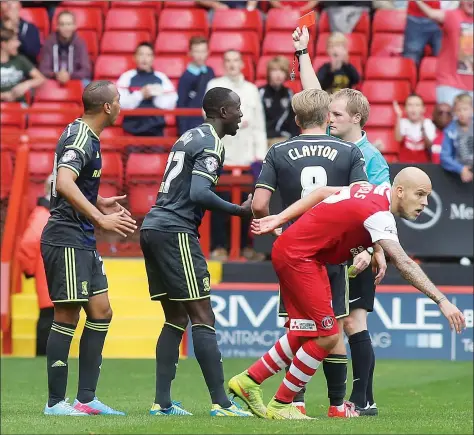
301, 164
200, 152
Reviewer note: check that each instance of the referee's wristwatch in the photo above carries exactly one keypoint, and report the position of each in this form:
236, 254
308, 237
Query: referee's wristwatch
298, 53
370, 250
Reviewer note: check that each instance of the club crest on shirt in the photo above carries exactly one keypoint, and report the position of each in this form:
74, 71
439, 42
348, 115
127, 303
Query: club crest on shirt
211, 164
327, 322
68, 156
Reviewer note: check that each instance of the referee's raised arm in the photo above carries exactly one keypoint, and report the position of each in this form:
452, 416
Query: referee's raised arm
308, 77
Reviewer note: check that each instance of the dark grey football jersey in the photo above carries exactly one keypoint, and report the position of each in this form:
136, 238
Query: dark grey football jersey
78, 149
301, 164
199, 151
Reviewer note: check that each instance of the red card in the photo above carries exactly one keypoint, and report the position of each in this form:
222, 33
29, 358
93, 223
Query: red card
307, 20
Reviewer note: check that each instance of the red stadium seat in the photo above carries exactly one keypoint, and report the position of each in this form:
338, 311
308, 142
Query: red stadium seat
40, 164
382, 116
112, 168
280, 43
142, 197
35, 191
107, 190
363, 25
391, 68
104, 5
262, 65
385, 91
245, 42
386, 137
184, 20
90, 38
174, 43
37, 16
52, 90
122, 42
427, 91
86, 18
171, 66
11, 119
110, 67
179, 4
217, 64
356, 41
319, 61
145, 167
131, 20
428, 68
6, 173
67, 113
127, 4
238, 20
389, 21
282, 20
386, 44
13, 134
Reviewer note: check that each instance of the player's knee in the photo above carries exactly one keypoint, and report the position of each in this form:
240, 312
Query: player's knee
67, 314
328, 342
205, 317
181, 320
354, 323
103, 312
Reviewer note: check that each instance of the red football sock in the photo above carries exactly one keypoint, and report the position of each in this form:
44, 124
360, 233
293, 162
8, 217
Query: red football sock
277, 358
304, 366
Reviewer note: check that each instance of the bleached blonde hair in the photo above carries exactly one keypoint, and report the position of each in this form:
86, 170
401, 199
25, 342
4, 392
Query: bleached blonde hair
357, 103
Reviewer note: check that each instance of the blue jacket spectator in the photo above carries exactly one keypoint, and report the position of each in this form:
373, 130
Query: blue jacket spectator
193, 83
145, 88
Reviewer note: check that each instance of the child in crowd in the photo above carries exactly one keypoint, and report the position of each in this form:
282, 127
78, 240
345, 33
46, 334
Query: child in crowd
338, 73
415, 131
458, 143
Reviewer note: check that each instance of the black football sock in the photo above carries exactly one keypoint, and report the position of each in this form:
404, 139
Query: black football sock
167, 356
299, 397
209, 358
361, 355
370, 383
90, 357
57, 352
335, 370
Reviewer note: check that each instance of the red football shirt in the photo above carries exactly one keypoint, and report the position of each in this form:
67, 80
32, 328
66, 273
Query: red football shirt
414, 10
341, 226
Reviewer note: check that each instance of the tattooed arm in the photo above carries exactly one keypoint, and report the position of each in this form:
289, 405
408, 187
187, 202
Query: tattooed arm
416, 277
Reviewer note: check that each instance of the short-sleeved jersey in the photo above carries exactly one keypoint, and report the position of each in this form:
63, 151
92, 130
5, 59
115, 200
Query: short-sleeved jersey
341, 226
78, 149
200, 152
301, 164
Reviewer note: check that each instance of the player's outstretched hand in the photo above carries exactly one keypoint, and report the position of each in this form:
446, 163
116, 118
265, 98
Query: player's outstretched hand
247, 206
301, 38
111, 205
265, 225
118, 222
455, 317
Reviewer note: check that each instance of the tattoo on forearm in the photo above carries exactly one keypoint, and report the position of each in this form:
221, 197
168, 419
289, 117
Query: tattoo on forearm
415, 276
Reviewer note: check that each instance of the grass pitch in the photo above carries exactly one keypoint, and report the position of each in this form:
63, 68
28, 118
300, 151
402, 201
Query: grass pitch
414, 397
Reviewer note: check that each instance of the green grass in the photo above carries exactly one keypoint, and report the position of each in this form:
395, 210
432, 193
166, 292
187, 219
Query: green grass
414, 397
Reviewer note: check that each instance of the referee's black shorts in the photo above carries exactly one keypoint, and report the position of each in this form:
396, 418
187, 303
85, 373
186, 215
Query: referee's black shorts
362, 291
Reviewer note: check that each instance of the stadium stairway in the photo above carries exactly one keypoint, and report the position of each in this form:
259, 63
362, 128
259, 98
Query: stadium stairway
136, 323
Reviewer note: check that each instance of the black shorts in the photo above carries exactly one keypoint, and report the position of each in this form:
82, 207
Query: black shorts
362, 291
339, 289
73, 275
175, 266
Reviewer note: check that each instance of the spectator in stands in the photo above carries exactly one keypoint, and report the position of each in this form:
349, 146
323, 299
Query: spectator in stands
276, 99
31, 263
64, 55
421, 31
230, 4
303, 6
28, 33
344, 15
193, 83
247, 148
18, 74
145, 88
442, 117
338, 73
455, 61
458, 142
415, 131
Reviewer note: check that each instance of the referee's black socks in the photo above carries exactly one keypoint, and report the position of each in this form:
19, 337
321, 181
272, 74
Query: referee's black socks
167, 356
57, 352
362, 355
335, 370
90, 357
209, 358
